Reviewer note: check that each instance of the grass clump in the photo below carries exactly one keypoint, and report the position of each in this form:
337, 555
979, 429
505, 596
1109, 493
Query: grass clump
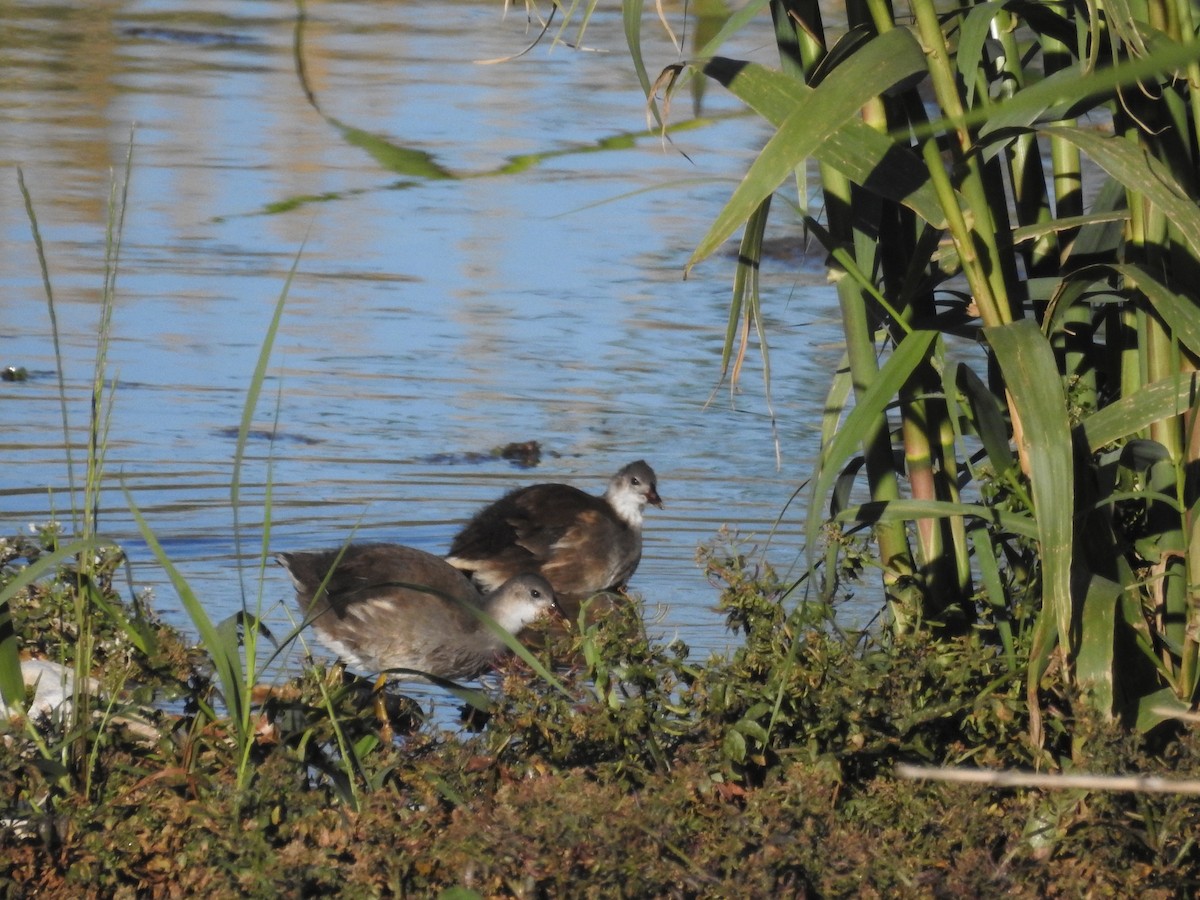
131, 647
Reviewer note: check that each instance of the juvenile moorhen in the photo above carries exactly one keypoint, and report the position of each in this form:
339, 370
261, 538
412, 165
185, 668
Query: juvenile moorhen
579, 543
387, 606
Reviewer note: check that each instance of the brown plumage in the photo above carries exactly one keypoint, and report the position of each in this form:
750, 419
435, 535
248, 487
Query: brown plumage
387, 606
579, 543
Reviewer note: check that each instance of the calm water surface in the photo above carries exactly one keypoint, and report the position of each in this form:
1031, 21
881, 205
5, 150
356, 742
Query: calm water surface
488, 253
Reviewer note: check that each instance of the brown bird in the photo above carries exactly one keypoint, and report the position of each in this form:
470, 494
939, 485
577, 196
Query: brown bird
386, 606
579, 543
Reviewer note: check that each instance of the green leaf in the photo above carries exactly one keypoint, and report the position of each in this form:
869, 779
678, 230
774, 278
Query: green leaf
1056, 96
631, 16
878, 66
366, 744
12, 681
987, 417
907, 510
864, 155
391, 156
976, 29
1140, 172
460, 893
734, 746
1041, 649
1159, 707
1160, 400
1031, 376
733, 25
862, 420
1177, 310
987, 559
835, 400
1097, 642
752, 729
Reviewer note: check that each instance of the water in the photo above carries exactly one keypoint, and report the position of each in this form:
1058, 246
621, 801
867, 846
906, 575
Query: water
487, 253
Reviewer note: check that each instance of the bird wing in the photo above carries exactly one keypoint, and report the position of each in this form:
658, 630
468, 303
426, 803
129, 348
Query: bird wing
368, 572
544, 522
567, 535
527, 522
587, 556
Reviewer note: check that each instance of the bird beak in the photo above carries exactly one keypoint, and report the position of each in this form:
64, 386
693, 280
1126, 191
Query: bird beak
653, 497
557, 609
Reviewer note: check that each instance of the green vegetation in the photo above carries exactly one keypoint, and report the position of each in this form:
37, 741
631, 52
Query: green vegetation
770, 772
1009, 207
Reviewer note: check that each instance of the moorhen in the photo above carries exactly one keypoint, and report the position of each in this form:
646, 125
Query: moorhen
580, 543
387, 606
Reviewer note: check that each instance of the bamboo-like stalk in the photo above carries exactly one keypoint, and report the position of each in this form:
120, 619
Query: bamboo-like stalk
1186, 34
975, 234
845, 218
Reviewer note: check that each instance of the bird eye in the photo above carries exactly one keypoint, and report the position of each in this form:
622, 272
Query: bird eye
535, 593
635, 480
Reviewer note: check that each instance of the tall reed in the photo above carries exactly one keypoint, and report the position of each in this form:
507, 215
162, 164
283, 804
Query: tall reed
1008, 198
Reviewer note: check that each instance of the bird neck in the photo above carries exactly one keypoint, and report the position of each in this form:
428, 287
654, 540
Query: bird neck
628, 507
509, 617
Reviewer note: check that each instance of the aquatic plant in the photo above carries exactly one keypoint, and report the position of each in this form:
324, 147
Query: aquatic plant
1007, 196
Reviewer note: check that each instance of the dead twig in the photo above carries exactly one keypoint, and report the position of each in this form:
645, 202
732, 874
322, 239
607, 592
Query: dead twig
1147, 784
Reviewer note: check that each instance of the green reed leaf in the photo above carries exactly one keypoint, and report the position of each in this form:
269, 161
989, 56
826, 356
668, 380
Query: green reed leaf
880, 65
1031, 376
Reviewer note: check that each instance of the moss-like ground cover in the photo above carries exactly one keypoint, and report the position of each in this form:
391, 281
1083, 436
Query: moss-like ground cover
767, 774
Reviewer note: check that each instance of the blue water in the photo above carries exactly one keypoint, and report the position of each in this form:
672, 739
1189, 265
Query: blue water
500, 260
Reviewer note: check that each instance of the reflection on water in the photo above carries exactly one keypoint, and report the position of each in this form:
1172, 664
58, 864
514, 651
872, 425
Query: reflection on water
487, 254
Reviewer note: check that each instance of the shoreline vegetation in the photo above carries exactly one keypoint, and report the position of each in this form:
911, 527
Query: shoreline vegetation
1009, 448
785, 770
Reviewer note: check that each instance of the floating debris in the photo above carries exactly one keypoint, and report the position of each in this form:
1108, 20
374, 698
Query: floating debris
524, 454
182, 36
267, 434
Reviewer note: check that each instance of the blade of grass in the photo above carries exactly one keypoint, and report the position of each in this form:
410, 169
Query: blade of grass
224, 654
252, 395
58, 359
